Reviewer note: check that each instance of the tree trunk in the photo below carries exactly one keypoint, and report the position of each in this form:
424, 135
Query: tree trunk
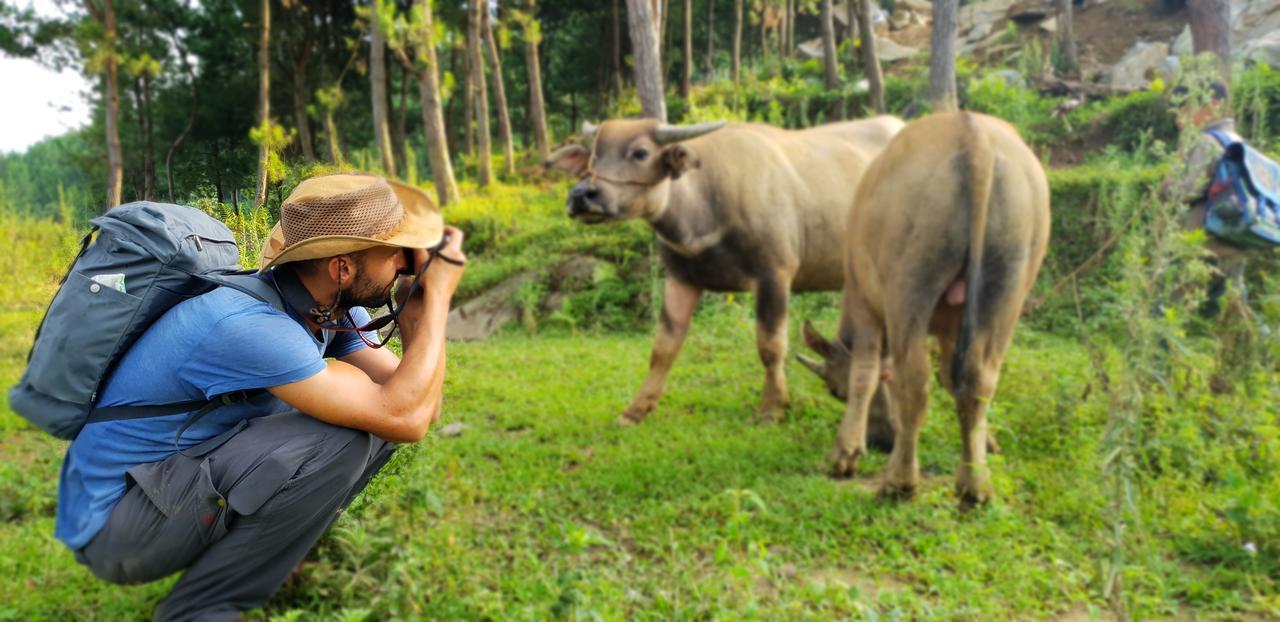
469, 93
830, 71
432, 114
335, 147
148, 143
115, 162
1067, 37
300, 91
264, 102
791, 27
617, 52
942, 58
177, 142
737, 40
644, 46
398, 128
1211, 32
484, 173
686, 67
378, 89
711, 41
537, 109
500, 99
851, 17
870, 60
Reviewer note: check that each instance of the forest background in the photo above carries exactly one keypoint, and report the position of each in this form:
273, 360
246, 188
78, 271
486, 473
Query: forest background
1141, 477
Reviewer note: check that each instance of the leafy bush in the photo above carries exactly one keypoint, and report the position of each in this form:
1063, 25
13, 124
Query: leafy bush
1255, 100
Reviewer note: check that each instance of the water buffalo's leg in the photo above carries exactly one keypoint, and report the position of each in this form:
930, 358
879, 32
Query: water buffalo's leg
678, 303
947, 347
864, 382
909, 388
771, 294
978, 386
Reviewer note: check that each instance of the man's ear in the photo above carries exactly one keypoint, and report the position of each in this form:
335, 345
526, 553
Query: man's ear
340, 268
572, 158
677, 160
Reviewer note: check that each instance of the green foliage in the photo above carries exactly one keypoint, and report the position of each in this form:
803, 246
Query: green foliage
1026, 109
1130, 121
1255, 100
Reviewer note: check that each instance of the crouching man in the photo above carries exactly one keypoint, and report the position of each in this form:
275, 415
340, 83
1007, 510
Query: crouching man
238, 495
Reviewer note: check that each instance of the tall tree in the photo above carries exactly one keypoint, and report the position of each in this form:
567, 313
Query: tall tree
942, 58
108, 56
830, 72
870, 59
537, 109
301, 46
1067, 36
484, 172
427, 71
644, 46
1211, 32
737, 40
617, 51
144, 70
711, 39
500, 98
378, 22
264, 101
686, 67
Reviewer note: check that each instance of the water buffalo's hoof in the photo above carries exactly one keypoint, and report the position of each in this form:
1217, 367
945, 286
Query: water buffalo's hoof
844, 464
770, 414
973, 489
896, 491
634, 414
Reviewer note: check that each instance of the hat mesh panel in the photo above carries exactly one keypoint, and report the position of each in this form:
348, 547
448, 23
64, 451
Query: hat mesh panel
372, 212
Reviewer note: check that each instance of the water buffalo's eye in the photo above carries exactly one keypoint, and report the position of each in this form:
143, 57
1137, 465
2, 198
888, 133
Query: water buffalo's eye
639, 154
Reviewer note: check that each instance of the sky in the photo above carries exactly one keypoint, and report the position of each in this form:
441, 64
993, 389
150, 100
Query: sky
40, 102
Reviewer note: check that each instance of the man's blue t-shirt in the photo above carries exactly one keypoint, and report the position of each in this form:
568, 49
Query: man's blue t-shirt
220, 342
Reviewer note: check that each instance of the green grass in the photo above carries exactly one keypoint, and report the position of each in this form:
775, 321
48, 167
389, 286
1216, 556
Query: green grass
543, 508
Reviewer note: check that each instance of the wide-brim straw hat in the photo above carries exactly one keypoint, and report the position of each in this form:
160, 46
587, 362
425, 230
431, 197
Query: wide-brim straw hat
333, 215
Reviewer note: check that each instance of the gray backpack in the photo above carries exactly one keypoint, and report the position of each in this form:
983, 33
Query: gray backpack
145, 258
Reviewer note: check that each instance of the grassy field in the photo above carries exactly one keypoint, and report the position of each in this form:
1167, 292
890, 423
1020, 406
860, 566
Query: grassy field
543, 509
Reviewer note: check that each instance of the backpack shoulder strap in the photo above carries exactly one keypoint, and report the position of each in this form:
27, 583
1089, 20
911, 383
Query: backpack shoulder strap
244, 281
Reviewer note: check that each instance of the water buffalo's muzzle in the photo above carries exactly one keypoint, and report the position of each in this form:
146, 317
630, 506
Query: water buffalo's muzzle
584, 201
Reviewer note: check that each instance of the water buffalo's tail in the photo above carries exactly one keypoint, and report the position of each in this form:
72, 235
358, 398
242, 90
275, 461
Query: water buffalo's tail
978, 172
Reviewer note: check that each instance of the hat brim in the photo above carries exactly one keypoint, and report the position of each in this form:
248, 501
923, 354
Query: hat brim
421, 227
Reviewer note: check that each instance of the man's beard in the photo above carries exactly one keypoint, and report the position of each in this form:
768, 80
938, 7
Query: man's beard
366, 293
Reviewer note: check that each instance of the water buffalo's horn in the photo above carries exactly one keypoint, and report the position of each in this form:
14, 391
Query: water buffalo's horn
812, 364
667, 134
589, 129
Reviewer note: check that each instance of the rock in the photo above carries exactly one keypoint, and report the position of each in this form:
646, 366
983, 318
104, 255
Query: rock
1049, 25
1133, 70
888, 51
1028, 11
1011, 78
900, 19
923, 7
810, 49
1265, 49
1182, 43
985, 12
979, 32
575, 274
483, 315
1169, 67
452, 430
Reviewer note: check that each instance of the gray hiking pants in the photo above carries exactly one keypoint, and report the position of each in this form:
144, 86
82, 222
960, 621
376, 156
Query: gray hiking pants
239, 512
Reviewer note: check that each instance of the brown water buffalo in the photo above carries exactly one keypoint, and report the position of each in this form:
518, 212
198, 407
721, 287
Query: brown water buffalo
736, 207
945, 236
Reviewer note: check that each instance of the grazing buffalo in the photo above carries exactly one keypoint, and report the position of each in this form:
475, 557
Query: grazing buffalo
736, 207
945, 236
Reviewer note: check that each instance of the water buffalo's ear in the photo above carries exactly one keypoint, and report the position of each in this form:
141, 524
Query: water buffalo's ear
677, 161
572, 159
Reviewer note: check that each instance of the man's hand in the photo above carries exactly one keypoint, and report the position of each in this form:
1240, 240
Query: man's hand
441, 277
